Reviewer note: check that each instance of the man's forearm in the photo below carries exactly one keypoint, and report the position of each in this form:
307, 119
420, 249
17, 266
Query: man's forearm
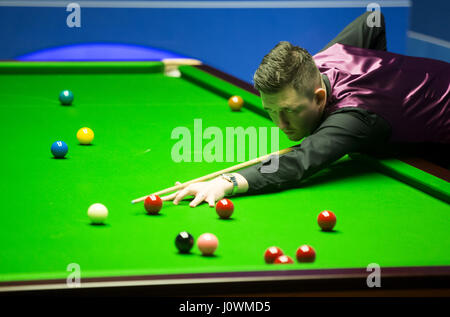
340, 134
360, 34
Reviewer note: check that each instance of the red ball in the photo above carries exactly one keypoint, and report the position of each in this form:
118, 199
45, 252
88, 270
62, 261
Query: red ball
224, 208
326, 220
153, 204
284, 259
306, 254
272, 254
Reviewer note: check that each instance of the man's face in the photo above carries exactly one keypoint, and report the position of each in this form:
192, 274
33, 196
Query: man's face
293, 113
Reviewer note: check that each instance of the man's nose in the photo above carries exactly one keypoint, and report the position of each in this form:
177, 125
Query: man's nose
283, 123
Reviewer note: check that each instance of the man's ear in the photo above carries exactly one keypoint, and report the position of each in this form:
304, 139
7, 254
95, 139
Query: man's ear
320, 96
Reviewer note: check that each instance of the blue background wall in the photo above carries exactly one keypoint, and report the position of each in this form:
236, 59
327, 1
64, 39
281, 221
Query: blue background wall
231, 39
429, 31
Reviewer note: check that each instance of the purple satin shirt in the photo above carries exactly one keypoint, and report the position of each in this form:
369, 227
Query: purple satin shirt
412, 94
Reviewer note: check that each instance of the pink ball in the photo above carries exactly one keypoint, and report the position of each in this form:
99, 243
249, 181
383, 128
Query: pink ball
207, 243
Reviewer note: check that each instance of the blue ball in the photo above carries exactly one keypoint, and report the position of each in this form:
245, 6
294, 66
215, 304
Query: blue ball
66, 97
59, 149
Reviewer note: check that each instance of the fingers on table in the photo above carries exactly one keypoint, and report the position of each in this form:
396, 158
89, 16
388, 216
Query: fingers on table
210, 199
198, 199
171, 196
183, 193
190, 191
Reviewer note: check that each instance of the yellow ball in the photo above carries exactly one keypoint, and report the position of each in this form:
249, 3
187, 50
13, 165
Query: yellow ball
85, 136
235, 103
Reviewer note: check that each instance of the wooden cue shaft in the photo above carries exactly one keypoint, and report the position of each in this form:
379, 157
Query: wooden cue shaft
215, 174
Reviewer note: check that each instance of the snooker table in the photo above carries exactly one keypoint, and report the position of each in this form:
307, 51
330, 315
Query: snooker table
391, 212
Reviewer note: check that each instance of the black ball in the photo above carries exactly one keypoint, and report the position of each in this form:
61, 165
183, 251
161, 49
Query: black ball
184, 242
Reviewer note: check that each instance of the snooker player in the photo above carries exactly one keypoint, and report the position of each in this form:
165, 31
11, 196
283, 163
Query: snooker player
353, 96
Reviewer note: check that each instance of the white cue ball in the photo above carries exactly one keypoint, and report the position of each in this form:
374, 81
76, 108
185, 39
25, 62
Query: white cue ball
97, 213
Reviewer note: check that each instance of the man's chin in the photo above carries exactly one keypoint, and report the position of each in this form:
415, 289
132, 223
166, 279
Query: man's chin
293, 137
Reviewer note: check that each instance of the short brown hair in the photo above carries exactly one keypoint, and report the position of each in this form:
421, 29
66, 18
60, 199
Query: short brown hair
287, 64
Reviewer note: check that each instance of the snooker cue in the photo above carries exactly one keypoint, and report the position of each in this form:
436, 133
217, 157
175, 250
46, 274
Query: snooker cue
215, 174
